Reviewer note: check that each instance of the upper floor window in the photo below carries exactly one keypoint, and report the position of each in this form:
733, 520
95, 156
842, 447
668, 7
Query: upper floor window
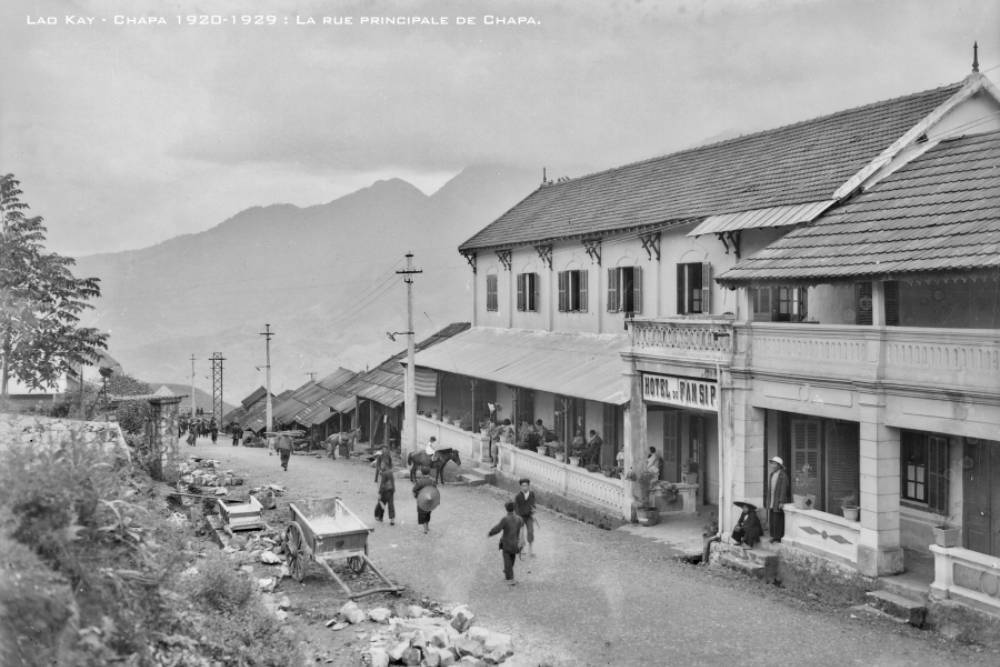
694, 288
625, 289
573, 291
492, 304
779, 303
527, 292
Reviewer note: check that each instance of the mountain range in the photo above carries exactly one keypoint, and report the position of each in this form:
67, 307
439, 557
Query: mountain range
324, 277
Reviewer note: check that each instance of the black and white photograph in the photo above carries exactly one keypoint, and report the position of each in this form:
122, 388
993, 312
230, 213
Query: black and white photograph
698, 299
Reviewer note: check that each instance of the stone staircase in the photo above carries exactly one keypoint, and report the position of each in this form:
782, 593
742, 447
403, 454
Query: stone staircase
758, 562
902, 597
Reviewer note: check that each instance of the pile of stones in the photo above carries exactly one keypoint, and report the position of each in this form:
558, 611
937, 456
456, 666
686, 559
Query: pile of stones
205, 472
409, 634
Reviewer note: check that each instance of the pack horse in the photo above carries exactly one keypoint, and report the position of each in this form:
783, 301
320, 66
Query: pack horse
435, 462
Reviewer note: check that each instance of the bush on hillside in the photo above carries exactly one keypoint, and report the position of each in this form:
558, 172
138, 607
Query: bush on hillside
97, 572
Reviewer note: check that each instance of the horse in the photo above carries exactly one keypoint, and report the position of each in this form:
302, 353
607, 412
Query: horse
437, 462
342, 439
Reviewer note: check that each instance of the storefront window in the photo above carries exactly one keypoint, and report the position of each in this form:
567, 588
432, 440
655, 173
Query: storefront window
925, 470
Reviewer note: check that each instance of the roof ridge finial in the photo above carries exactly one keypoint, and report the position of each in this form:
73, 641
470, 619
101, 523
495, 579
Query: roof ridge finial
975, 56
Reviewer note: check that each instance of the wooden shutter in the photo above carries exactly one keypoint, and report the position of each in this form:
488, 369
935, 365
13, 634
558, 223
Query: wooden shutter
583, 289
520, 290
535, 291
563, 280
891, 289
843, 469
637, 289
491, 292
706, 287
681, 282
863, 303
613, 281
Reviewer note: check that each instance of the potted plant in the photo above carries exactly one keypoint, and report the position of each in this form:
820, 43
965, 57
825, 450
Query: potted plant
691, 472
645, 511
946, 534
849, 506
666, 492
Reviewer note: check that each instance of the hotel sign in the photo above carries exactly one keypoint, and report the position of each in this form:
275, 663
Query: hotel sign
684, 392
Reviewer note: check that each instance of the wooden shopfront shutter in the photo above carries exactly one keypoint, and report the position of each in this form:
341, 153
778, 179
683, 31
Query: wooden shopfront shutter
583, 290
843, 466
891, 288
613, 281
521, 277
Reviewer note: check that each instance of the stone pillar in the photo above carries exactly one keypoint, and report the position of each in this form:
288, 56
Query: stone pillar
742, 443
635, 435
161, 432
879, 551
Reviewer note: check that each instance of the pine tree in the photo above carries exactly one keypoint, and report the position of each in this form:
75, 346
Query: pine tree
40, 302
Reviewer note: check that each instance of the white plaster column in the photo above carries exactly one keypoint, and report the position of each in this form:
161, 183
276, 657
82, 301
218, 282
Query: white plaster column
879, 551
743, 453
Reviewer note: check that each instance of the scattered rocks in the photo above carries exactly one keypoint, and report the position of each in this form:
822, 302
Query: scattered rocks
461, 618
352, 613
270, 558
379, 614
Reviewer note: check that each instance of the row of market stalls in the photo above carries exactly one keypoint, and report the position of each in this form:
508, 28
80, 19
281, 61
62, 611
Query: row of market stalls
370, 401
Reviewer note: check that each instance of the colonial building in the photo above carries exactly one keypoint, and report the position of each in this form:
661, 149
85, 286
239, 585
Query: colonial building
595, 303
885, 390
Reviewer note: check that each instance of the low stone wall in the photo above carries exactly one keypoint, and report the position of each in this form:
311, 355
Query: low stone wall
52, 432
595, 516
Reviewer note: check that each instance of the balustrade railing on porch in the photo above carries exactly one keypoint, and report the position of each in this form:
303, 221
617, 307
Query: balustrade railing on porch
572, 482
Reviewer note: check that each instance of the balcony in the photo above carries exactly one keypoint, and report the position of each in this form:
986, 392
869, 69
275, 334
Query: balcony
709, 340
948, 359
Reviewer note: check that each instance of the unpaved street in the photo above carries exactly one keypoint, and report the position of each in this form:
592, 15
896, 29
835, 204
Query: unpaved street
590, 597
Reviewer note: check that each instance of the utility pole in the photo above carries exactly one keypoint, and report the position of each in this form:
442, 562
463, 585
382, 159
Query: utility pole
312, 376
192, 389
217, 360
409, 439
267, 334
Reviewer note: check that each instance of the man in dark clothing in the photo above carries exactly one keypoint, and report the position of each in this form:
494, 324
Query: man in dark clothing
524, 507
748, 529
386, 496
593, 453
423, 516
284, 447
510, 527
780, 494
235, 432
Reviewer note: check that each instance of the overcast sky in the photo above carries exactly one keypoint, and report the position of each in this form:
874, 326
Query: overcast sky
125, 135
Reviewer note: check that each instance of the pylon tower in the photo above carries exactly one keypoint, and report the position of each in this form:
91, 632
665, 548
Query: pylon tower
217, 360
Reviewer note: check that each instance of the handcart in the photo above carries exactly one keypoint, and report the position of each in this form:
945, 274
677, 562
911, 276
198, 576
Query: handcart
325, 530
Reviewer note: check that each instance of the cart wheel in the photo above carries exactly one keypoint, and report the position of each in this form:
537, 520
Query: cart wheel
357, 563
294, 553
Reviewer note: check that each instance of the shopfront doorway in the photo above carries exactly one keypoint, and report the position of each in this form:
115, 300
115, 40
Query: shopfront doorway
981, 496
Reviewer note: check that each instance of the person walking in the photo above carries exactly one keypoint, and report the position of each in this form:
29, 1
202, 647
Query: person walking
510, 540
386, 497
284, 446
524, 507
424, 515
780, 493
213, 430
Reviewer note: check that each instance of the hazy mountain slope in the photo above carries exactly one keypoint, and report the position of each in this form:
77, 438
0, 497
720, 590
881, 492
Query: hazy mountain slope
323, 276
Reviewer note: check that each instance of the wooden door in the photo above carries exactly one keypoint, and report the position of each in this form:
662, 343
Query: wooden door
981, 497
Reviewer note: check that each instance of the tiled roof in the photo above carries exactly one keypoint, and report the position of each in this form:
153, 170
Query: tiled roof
940, 212
253, 397
794, 164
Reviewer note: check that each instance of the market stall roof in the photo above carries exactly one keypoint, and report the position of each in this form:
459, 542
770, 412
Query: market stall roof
939, 213
584, 365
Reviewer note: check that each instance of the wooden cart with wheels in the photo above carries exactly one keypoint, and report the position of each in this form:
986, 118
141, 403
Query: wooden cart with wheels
325, 530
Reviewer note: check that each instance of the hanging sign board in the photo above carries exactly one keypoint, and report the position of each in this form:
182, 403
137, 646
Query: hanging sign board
680, 391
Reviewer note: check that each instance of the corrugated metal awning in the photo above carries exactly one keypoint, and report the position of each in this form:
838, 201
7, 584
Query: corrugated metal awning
581, 365
776, 216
